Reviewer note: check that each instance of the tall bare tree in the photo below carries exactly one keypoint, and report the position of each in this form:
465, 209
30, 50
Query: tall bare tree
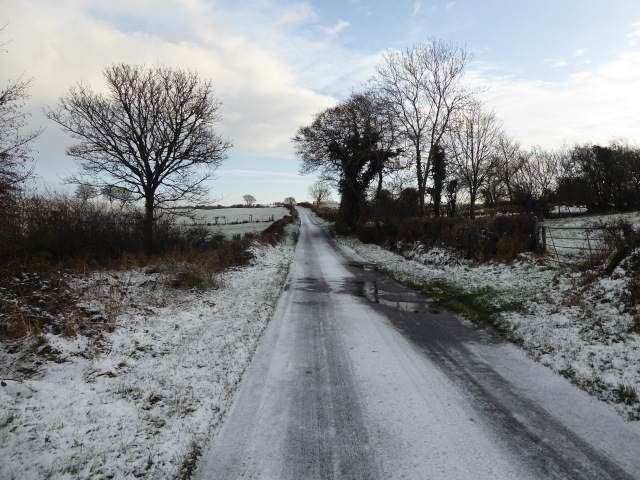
151, 132
509, 159
536, 181
424, 86
473, 144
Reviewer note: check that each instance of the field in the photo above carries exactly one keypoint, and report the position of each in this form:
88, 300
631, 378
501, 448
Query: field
573, 239
236, 221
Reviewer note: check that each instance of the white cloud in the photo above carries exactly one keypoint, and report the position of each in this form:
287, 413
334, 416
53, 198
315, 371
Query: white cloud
257, 173
559, 63
580, 52
64, 43
634, 35
273, 177
590, 106
416, 8
298, 13
338, 27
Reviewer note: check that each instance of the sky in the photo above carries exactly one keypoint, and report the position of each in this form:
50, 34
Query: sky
556, 72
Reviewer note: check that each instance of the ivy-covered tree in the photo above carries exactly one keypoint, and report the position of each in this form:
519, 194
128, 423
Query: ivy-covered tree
439, 174
349, 145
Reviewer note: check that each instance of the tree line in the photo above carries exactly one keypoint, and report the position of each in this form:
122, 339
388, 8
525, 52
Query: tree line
417, 140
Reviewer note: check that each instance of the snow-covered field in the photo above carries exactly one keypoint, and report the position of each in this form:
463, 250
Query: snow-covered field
579, 329
236, 221
141, 402
572, 239
594, 220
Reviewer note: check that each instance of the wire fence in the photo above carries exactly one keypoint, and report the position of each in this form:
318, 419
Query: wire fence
569, 245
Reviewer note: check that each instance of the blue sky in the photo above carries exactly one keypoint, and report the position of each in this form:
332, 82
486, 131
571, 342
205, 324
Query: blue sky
562, 71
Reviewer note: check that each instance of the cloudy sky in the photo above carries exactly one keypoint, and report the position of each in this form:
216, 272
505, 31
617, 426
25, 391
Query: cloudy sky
557, 71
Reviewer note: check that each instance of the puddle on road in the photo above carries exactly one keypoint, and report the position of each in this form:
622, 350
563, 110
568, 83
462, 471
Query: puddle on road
367, 267
401, 300
417, 304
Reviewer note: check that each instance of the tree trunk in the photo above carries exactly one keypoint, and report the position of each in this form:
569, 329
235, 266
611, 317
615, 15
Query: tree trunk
421, 182
438, 169
472, 205
147, 225
349, 212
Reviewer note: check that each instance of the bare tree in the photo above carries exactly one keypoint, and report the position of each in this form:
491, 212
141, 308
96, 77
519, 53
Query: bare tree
85, 193
536, 181
113, 193
15, 141
424, 86
473, 145
509, 161
289, 201
320, 192
150, 133
16, 161
249, 200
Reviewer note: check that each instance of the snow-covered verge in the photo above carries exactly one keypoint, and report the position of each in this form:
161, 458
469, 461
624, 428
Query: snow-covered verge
580, 329
141, 401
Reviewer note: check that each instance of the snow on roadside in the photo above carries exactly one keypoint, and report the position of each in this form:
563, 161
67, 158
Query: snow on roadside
143, 403
586, 340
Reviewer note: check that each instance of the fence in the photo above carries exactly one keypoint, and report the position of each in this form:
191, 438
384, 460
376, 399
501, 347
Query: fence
568, 245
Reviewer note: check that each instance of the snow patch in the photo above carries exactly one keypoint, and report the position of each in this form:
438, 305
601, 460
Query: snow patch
142, 402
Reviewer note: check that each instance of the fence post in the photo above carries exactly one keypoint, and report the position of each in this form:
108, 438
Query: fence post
541, 237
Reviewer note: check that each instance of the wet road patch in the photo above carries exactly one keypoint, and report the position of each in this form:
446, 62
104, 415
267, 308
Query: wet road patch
405, 301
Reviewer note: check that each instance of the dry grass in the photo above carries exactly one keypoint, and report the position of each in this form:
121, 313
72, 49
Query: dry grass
82, 295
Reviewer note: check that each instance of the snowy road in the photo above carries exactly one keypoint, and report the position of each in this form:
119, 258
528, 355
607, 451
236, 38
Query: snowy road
358, 378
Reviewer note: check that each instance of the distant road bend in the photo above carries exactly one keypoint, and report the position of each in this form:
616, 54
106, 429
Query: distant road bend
357, 377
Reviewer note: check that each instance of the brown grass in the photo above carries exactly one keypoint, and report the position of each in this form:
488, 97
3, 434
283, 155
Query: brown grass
36, 296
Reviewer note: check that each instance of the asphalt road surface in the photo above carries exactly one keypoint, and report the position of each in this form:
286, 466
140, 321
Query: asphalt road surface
358, 377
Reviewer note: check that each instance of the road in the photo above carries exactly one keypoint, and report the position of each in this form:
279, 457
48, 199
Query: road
358, 377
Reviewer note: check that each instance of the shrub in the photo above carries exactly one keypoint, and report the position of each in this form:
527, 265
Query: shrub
275, 232
481, 239
59, 228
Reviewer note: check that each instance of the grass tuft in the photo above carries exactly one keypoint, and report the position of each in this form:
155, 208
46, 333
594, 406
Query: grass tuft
626, 394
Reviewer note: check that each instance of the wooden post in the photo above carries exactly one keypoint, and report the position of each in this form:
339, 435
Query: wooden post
542, 243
